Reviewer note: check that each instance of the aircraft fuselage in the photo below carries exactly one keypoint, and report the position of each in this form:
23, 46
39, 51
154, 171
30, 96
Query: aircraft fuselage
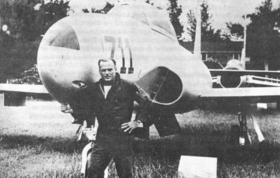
71, 48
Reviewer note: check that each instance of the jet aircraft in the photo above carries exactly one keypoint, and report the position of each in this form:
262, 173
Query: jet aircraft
143, 42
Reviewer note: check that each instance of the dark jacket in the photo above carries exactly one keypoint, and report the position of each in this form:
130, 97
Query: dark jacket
116, 109
111, 112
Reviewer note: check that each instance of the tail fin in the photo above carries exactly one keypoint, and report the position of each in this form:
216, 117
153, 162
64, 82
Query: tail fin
197, 42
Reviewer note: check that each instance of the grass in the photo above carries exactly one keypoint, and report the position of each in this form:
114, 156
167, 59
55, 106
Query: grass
39, 141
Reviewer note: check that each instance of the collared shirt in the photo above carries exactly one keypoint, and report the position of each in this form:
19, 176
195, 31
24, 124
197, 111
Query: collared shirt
106, 89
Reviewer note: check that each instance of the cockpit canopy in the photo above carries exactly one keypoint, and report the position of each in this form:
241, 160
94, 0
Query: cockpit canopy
156, 19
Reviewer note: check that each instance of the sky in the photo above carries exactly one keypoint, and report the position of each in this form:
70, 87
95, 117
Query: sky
228, 10
222, 11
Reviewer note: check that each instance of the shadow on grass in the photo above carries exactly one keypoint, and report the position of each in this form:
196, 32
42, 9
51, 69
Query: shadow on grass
58, 144
193, 141
222, 144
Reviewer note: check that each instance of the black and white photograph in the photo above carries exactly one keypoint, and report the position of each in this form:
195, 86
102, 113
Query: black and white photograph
139, 88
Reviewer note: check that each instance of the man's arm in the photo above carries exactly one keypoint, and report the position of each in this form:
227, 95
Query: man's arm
144, 106
140, 116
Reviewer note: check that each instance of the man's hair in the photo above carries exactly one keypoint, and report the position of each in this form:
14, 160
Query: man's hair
105, 60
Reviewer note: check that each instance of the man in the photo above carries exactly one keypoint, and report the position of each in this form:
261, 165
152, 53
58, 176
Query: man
112, 103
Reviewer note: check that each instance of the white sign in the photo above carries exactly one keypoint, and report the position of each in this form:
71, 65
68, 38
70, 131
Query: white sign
197, 167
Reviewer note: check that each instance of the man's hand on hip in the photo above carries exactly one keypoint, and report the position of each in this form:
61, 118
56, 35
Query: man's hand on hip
130, 126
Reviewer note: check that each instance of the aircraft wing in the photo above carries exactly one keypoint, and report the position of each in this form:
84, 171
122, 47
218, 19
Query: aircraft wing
23, 88
248, 95
236, 78
15, 94
215, 72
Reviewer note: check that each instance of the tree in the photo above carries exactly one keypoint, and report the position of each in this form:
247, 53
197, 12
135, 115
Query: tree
20, 42
26, 23
104, 10
263, 41
53, 11
208, 33
235, 29
174, 12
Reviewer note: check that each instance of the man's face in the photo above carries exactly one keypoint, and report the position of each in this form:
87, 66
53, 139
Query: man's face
107, 70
